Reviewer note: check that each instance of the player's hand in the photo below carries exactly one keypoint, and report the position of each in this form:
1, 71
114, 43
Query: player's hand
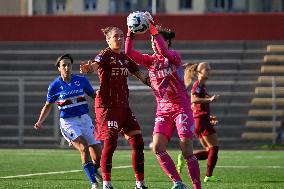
86, 67
130, 33
214, 97
152, 26
149, 18
38, 125
70, 144
214, 120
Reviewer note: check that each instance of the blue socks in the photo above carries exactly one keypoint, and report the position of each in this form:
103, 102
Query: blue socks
90, 171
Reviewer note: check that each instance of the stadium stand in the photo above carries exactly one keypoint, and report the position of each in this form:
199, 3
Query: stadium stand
260, 112
259, 126
267, 80
26, 68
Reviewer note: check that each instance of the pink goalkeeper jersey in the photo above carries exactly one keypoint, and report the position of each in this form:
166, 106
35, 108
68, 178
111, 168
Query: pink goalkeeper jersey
166, 74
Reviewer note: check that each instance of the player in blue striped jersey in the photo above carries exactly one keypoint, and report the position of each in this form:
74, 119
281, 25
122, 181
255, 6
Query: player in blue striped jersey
68, 92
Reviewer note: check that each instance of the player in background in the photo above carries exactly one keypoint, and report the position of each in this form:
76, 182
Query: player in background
166, 76
67, 91
113, 114
204, 121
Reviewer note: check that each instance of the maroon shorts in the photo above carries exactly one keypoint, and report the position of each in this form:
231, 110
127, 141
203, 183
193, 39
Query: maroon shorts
203, 127
111, 121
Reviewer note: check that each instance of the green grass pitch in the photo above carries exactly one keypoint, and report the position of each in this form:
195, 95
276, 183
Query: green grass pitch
58, 169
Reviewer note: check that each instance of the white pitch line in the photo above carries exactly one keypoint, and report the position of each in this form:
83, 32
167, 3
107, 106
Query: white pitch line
54, 173
38, 174
128, 166
245, 166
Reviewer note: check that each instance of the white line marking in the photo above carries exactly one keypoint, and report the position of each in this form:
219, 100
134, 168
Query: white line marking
122, 167
245, 166
129, 166
58, 172
38, 174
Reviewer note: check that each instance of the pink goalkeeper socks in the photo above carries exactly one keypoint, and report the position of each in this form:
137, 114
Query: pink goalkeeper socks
168, 166
194, 171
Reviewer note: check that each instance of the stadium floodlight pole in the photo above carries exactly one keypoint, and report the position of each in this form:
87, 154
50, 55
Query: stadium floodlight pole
154, 7
30, 8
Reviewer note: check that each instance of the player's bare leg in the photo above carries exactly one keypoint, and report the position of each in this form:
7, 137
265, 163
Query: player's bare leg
95, 153
82, 146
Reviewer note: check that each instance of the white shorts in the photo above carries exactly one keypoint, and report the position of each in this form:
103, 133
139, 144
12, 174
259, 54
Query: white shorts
73, 127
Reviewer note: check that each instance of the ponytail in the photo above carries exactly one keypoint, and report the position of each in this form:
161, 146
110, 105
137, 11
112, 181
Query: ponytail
190, 72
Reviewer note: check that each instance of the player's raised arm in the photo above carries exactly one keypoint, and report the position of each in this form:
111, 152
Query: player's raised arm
139, 58
161, 38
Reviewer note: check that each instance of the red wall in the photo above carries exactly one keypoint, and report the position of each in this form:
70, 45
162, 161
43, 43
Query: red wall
187, 27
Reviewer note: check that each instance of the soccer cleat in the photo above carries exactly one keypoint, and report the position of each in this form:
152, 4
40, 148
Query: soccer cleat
95, 186
107, 187
211, 179
179, 185
181, 163
143, 187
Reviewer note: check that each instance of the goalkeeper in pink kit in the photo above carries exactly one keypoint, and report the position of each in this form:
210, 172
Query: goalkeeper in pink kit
167, 80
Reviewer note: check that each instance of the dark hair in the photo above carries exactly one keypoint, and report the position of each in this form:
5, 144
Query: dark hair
65, 56
167, 34
107, 30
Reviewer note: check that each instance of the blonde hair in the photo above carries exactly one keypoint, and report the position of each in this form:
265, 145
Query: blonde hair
201, 65
191, 71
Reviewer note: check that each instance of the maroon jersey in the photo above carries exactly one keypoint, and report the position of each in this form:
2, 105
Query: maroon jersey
200, 110
113, 72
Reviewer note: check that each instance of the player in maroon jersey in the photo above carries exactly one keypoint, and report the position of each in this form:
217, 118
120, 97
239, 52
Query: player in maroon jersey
113, 114
203, 120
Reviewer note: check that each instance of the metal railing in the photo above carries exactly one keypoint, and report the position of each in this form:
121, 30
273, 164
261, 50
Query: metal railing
20, 114
17, 87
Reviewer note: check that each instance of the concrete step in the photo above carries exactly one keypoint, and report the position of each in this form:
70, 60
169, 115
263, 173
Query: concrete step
230, 108
192, 45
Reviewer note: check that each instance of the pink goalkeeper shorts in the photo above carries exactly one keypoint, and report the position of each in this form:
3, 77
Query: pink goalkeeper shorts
181, 120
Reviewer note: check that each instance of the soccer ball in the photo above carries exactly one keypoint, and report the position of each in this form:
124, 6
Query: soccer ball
137, 22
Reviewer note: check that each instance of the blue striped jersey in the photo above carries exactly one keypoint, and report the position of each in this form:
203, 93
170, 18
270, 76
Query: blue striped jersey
70, 97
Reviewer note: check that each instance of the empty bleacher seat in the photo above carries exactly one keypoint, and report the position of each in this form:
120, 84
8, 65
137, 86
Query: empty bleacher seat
273, 58
267, 101
258, 135
268, 79
263, 124
268, 90
265, 112
272, 69
275, 48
